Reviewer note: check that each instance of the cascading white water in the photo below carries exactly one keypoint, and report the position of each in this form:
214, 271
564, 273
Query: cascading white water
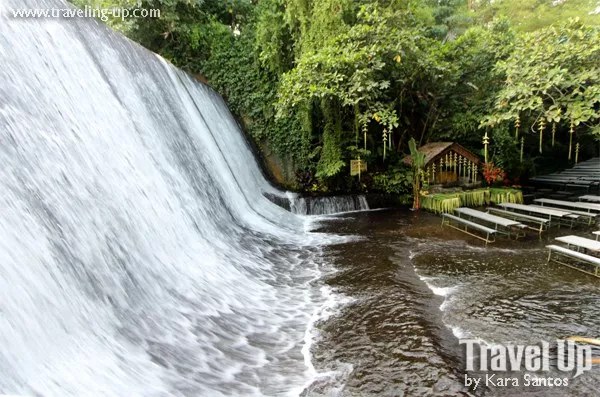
138, 254
328, 205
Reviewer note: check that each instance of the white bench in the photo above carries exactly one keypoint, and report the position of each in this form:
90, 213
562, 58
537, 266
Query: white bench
576, 205
448, 218
597, 234
588, 259
589, 197
542, 222
580, 242
501, 225
554, 215
585, 217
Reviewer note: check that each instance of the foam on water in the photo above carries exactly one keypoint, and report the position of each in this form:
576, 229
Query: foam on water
138, 253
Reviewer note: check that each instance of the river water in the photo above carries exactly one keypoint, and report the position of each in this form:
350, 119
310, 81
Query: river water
412, 289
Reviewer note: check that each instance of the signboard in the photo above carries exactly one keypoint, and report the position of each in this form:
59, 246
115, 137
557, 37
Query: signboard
357, 166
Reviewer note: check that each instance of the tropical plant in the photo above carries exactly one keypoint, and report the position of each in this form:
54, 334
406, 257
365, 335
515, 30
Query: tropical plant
418, 162
552, 76
397, 180
492, 173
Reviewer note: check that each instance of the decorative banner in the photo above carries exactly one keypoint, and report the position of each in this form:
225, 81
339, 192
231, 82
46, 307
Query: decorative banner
571, 138
470, 171
486, 142
385, 139
522, 145
542, 126
357, 166
454, 162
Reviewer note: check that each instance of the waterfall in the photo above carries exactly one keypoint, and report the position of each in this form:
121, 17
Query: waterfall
139, 255
328, 205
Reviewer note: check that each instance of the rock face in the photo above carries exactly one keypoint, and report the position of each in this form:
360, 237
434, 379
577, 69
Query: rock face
282, 170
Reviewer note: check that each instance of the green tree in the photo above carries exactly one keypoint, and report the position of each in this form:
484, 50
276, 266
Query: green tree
552, 76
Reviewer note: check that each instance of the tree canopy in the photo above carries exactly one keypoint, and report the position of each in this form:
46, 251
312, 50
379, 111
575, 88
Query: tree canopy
323, 82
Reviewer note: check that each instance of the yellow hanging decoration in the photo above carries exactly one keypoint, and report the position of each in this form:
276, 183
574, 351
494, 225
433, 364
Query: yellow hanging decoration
468, 169
577, 153
517, 125
486, 142
385, 135
454, 163
522, 145
433, 172
542, 126
571, 138
553, 132
471, 167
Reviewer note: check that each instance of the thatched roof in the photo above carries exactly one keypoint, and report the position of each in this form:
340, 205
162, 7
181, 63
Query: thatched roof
435, 150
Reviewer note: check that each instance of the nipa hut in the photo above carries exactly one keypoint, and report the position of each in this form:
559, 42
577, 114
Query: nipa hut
449, 163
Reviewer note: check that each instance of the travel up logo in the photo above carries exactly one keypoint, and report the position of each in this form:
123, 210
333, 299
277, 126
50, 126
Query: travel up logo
526, 365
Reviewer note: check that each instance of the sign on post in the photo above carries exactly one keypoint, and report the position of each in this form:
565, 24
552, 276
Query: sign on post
357, 166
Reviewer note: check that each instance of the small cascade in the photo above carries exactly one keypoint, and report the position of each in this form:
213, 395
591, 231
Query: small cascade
327, 205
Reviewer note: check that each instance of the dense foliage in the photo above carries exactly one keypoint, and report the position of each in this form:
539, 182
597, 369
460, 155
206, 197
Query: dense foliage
319, 83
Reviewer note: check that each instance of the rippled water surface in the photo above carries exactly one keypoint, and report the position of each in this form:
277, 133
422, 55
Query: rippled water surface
412, 289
